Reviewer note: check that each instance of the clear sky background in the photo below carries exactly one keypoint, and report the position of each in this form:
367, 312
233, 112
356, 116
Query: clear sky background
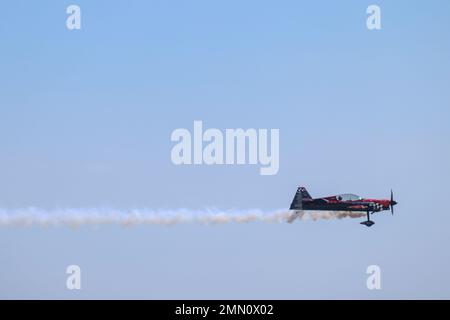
86, 118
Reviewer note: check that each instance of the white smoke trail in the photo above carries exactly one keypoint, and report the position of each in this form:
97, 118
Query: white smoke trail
73, 217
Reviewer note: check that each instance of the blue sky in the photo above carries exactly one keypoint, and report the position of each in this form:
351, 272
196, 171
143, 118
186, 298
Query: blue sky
86, 118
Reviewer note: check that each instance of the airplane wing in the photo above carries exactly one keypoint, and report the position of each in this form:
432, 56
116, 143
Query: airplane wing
368, 205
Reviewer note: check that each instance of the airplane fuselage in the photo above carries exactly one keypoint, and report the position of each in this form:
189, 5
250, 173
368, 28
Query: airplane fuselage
328, 203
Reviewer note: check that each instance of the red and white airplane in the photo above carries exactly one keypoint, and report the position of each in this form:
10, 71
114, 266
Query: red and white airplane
342, 202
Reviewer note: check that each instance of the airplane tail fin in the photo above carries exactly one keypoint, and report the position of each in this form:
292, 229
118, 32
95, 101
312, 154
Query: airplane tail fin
298, 198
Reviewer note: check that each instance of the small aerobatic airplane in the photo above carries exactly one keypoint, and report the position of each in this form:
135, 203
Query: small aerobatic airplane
343, 202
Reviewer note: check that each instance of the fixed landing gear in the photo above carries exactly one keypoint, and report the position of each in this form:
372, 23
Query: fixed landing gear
369, 222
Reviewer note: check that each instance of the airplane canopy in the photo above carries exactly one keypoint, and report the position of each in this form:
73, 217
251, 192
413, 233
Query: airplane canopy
348, 197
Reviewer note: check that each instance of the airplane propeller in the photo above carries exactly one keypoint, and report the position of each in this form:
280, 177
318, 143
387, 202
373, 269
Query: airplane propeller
393, 202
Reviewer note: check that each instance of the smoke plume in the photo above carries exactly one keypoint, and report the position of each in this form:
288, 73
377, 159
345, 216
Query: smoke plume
73, 217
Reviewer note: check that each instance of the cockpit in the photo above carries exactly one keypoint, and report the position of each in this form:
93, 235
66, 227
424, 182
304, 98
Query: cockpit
348, 197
